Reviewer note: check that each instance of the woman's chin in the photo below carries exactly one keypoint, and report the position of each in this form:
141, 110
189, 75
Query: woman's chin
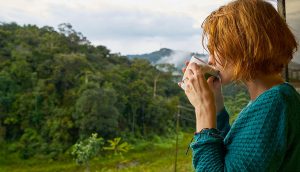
225, 81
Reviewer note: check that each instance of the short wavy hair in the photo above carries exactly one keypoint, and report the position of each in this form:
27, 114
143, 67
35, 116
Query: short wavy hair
251, 36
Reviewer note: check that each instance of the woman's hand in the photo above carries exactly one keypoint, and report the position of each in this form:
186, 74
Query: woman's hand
205, 96
198, 91
216, 86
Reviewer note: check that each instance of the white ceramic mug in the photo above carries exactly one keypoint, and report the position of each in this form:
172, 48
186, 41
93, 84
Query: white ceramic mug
207, 70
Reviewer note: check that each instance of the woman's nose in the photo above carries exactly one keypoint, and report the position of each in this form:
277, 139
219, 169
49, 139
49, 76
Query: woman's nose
210, 60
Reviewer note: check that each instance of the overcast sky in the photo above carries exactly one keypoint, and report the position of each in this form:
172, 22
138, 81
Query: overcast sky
125, 26
293, 19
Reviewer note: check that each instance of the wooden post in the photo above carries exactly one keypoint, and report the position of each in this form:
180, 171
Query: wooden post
282, 13
177, 132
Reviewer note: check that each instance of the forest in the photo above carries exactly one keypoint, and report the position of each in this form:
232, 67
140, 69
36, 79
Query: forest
57, 89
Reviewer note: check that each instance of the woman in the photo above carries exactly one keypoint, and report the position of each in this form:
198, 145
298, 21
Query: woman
250, 43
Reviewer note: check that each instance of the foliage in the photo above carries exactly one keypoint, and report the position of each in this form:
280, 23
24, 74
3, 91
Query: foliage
234, 104
85, 150
146, 155
56, 88
117, 147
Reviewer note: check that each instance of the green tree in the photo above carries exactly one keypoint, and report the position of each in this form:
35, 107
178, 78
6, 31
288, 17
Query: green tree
84, 151
95, 112
58, 88
117, 147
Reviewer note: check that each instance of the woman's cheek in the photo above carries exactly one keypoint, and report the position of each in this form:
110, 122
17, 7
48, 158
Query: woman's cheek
224, 78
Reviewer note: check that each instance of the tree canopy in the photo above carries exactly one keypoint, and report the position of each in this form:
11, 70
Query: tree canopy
57, 88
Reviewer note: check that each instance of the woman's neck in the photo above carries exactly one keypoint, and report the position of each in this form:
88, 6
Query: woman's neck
260, 84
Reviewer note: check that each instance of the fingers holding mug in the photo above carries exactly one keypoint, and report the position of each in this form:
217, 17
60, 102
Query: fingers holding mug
184, 68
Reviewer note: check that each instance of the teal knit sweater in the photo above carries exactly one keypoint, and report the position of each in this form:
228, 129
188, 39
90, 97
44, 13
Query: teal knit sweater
264, 137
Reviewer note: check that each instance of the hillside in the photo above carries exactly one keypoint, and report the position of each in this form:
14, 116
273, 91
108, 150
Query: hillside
57, 89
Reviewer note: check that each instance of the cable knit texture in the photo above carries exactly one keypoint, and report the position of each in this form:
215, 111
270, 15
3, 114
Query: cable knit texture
264, 137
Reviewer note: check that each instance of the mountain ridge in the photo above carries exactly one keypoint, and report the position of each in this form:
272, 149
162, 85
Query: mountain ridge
167, 55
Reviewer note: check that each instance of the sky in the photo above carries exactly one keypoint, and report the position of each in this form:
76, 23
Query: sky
293, 20
125, 26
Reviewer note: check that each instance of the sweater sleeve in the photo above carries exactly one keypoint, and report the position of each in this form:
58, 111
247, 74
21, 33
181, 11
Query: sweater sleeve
223, 122
256, 142
208, 153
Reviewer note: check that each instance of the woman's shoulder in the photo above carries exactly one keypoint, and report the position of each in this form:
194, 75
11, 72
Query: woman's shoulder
278, 97
271, 108
283, 93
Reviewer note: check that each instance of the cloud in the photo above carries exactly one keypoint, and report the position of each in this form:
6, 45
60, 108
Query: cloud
135, 31
177, 58
136, 45
127, 26
111, 24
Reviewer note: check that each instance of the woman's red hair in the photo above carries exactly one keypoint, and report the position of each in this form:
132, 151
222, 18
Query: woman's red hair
251, 36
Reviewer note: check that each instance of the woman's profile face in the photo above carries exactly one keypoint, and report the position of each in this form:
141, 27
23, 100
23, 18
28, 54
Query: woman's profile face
226, 73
